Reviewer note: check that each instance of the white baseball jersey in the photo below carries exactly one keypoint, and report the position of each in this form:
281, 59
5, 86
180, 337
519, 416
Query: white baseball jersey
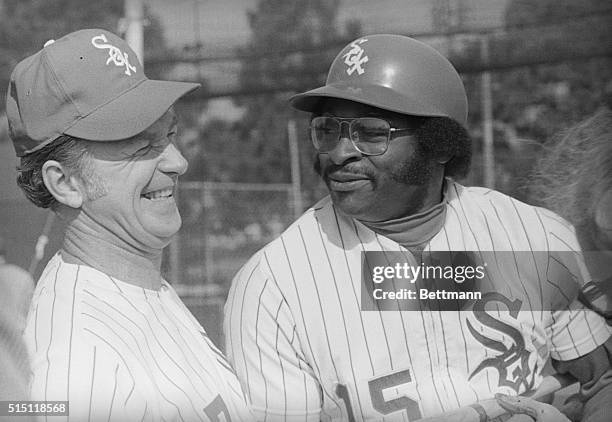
304, 349
118, 352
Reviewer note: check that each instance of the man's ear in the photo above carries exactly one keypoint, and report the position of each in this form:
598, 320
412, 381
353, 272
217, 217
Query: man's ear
64, 187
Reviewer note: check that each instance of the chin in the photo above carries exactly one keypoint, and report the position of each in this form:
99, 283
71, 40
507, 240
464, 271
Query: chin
349, 205
166, 231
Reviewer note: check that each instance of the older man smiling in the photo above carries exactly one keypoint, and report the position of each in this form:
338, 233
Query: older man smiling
106, 332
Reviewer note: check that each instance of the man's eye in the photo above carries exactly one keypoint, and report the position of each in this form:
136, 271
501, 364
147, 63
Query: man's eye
156, 146
326, 130
144, 150
374, 133
147, 149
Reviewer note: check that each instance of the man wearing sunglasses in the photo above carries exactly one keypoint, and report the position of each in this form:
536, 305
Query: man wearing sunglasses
304, 333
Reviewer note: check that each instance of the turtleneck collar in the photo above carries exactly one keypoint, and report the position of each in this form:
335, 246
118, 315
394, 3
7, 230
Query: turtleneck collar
412, 231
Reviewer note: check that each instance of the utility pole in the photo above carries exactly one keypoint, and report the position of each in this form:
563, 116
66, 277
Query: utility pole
134, 34
488, 151
196, 24
296, 183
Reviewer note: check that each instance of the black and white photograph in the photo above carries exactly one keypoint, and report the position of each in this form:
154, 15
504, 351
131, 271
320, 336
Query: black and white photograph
306, 210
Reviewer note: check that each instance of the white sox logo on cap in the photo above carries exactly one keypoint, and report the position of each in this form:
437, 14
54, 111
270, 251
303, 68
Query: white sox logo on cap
89, 85
355, 58
115, 55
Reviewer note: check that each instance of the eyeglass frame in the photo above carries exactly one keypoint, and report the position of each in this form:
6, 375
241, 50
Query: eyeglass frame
349, 121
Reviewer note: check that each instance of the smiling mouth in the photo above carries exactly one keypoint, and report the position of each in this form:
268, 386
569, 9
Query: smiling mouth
159, 195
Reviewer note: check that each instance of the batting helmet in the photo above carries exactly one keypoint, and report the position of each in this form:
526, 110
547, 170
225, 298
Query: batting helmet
394, 73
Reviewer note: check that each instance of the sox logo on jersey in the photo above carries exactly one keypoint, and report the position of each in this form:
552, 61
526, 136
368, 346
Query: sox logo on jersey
516, 356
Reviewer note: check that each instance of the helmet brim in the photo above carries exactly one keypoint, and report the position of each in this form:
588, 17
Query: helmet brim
368, 94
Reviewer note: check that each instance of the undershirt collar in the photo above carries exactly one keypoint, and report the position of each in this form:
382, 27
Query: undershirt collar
415, 230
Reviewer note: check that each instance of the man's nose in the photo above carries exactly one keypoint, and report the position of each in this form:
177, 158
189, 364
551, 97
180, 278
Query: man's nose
172, 161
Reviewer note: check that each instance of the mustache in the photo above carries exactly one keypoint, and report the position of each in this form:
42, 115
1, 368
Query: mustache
348, 168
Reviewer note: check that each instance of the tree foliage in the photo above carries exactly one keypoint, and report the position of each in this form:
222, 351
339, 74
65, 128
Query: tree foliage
531, 103
25, 25
529, 12
541, 100
279, 25
257, 145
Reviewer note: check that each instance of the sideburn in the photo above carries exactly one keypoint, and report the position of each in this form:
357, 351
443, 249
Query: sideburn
417, 171
94, 184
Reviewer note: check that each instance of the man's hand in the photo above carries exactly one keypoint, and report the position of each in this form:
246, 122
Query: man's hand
520, 406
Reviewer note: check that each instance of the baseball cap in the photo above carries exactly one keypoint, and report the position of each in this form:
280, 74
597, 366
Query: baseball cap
88, 84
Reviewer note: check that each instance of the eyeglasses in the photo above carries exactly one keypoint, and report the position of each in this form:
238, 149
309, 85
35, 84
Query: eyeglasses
369, 135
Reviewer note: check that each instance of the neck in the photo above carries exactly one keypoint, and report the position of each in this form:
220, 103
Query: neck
432, 195
422, 198
86, 243
415, 229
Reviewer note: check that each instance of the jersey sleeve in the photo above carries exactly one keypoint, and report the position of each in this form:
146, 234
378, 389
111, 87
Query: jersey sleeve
263, 345
576, 332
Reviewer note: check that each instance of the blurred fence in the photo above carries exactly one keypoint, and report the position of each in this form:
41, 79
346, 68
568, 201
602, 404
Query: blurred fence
223, 225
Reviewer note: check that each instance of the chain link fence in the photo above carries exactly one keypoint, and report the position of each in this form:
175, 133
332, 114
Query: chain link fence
223, 225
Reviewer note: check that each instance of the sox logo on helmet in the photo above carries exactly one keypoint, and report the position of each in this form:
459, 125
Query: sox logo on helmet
393, 73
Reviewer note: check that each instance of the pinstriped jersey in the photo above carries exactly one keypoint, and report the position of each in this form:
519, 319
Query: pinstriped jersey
304, 349
119, 352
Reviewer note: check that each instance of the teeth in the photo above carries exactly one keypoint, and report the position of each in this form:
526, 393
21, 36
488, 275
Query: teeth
159, 194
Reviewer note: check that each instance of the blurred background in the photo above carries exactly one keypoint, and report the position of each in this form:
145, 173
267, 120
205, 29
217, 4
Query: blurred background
531, 68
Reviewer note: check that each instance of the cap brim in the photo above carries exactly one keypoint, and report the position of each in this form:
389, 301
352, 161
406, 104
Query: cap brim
372, 95
132, 112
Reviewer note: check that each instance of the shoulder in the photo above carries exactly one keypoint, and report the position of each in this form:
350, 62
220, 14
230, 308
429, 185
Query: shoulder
542, 226
321, 213
320, 224
56, 284
494, 201
482, 196
71, 305
274, 262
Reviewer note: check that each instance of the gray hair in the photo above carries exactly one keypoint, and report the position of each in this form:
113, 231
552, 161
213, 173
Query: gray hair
72, 153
